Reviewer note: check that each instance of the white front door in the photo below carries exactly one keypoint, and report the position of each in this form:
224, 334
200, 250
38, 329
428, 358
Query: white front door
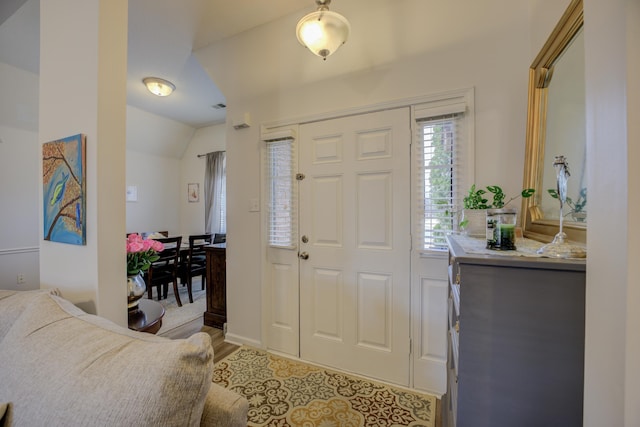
355, 219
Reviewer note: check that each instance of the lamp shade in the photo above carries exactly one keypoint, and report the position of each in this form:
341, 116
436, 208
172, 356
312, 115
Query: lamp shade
158, 86
323, 32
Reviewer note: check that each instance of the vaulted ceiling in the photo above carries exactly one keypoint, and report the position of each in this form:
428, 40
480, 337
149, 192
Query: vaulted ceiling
163, 34
247, 47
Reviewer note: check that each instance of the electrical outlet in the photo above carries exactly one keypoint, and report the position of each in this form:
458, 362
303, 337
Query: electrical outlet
20, 279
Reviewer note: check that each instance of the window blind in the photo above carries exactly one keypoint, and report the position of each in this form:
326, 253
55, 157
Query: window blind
282, 205
439, 156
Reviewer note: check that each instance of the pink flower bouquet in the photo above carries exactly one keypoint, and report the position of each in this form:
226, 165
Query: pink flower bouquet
141, 253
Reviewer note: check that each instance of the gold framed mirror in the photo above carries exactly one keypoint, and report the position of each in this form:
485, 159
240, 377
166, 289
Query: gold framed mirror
556, 126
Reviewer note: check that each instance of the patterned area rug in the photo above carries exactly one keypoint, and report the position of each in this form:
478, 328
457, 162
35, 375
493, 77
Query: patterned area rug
286, 393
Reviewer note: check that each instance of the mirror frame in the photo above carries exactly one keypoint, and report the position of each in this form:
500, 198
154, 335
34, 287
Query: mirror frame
534, 226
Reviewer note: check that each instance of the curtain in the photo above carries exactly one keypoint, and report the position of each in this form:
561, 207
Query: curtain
215, 193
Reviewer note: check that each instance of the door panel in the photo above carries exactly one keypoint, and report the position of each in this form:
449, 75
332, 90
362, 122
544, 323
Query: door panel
374, 211
354, 207
281, 278
327, 211
374, 311
327, 304
283, 324
430, 296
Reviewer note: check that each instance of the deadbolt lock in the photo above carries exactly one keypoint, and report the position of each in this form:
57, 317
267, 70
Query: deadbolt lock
305, 239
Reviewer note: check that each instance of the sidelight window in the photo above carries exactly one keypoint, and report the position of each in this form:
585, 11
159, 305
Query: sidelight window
280, 167
440, 153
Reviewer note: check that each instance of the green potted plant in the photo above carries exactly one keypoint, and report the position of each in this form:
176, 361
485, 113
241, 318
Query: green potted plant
475, 204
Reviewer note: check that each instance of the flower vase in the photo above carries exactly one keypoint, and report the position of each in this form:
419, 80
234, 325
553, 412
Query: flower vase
136, 287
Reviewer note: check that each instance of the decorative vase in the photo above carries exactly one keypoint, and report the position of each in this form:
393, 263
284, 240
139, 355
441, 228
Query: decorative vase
136, 287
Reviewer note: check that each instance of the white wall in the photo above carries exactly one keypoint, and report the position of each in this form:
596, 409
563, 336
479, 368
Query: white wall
19, 100
494, 60
19, 160
632, 337
545, 14
74, 98
205, 140
162, 184
19, 237
155, 150
157, 180
157, 135
612, 371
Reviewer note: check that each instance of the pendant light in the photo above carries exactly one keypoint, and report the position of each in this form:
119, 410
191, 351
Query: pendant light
323, 31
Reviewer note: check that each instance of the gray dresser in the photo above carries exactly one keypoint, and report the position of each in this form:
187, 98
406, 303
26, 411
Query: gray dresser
516, 340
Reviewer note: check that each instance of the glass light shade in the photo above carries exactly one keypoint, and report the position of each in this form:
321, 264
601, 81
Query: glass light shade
323, 32
158, 86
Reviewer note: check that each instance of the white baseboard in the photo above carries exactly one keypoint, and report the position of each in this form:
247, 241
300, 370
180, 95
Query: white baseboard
240, 340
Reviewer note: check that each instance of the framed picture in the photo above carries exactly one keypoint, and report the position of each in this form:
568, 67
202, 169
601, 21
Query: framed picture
64, 190
193, 193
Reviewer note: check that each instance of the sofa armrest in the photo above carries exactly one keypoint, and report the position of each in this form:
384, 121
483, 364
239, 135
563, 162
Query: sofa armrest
5, 414
224, 408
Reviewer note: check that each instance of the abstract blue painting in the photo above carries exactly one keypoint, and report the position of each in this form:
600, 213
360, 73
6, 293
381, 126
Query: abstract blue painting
64, 198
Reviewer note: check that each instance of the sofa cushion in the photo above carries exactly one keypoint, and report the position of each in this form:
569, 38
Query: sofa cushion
61, 366
13, 303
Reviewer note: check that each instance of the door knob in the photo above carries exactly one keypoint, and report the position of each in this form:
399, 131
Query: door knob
303, 255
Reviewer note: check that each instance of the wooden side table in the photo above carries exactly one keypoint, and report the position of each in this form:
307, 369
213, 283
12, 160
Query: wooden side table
148, 316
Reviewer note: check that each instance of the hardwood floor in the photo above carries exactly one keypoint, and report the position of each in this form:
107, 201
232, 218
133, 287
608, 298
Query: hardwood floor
221, 349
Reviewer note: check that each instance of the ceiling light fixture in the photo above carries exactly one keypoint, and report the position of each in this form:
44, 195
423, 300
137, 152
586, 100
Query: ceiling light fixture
323, 31
158, 86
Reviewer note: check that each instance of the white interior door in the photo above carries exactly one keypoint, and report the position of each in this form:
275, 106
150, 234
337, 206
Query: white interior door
355, 218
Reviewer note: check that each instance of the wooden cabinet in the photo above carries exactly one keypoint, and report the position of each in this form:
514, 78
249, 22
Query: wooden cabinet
516, 340
216, 314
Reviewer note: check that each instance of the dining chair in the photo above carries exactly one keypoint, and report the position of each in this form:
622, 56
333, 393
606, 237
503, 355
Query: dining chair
165, 270
195, 262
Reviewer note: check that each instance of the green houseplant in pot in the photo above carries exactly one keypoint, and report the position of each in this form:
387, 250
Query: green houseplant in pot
476, 203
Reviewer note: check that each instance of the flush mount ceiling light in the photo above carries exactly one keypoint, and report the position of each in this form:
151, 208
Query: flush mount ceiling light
323, 31
158, 86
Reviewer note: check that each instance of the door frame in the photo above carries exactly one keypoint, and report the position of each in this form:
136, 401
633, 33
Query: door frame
291, 126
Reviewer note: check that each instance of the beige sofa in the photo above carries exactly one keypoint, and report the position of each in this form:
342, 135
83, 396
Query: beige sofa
60, 366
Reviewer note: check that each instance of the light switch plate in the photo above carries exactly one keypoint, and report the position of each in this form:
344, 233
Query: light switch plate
254, 205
